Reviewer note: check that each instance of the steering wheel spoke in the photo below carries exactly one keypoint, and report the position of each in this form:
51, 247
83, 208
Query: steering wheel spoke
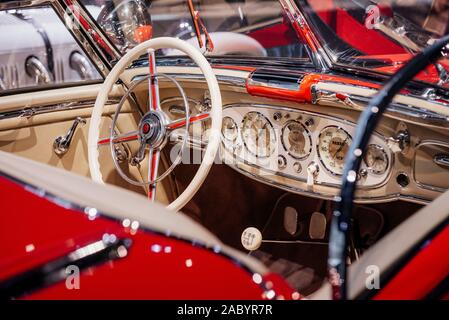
123, 137
153, 90
180, 123
153, 165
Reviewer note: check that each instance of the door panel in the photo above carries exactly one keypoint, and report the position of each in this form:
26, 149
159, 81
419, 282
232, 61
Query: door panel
33, 137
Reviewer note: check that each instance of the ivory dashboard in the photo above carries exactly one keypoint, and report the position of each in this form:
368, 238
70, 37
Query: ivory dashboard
299, 145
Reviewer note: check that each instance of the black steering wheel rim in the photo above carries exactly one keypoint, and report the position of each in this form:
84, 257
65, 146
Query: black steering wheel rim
341, 217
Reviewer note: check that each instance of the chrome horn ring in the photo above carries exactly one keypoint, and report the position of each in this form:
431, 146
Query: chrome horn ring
156, 134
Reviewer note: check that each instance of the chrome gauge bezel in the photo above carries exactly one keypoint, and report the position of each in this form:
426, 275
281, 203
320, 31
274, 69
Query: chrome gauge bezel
236, 129
271, 128
318, 151
306, 134
387, 160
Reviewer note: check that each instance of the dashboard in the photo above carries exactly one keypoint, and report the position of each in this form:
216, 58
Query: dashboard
299, 145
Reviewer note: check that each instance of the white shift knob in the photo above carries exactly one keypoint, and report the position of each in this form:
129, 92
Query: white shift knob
251, 238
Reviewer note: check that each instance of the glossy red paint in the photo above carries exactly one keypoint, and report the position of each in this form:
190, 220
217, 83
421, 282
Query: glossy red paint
350, 30
353, 32
304, 93
422, 274
280, 34
395, 62
34, 231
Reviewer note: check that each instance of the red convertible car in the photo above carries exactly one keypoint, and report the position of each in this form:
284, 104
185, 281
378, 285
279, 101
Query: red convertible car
245, 149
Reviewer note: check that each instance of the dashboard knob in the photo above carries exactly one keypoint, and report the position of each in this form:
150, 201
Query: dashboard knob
400, 142
251, 238
312, 172
282, 162
297, 167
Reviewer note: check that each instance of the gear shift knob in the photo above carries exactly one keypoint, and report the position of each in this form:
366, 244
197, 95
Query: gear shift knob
251, 238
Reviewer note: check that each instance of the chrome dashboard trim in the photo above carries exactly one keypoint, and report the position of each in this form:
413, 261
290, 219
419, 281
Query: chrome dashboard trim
361, 200
395, 110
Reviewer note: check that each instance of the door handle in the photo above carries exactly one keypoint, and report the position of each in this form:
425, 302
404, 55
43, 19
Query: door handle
62, 143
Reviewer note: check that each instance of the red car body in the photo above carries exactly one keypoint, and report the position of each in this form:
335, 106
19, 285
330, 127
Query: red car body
149, 265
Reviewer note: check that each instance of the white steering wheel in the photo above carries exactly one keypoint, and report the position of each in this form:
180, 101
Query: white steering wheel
155, 126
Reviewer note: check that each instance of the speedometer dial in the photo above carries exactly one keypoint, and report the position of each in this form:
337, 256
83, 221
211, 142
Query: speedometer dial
258, 134
332, 147
296, 140
229, 129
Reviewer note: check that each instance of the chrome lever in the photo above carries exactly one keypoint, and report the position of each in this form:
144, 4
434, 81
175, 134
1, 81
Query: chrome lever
441, 160
62, 143
399, 143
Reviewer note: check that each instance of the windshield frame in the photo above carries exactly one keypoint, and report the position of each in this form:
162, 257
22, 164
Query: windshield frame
279, 62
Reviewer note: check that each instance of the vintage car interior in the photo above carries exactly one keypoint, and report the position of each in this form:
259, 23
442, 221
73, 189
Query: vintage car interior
239, 77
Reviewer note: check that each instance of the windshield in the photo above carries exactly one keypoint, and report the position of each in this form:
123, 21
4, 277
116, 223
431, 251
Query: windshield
380, 35
245, 28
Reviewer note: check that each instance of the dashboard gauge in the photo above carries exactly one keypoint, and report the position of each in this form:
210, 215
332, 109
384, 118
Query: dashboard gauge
333, 144
229, 129
296, 140
376, 159
258, 134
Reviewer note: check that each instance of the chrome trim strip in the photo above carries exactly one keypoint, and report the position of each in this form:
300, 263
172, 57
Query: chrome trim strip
234, 81
385, 199
42, 109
